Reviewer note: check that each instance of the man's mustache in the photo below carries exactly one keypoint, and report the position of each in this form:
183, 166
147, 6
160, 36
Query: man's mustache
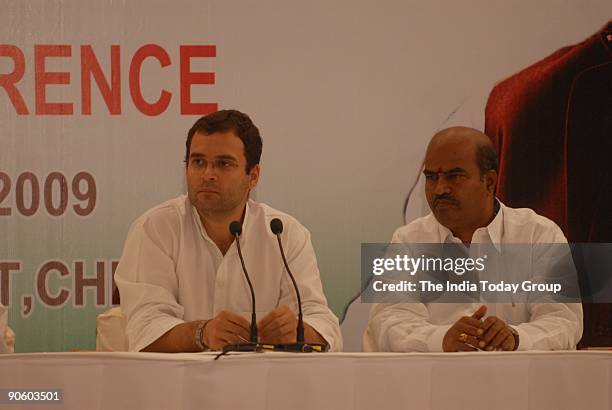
445, 198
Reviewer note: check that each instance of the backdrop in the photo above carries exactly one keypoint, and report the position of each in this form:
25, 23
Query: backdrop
96, 98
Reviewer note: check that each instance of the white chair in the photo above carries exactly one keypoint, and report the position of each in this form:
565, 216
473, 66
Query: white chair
354, 324
110, 331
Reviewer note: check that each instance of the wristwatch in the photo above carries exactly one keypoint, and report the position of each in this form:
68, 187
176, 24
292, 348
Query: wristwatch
199, 332
516, 337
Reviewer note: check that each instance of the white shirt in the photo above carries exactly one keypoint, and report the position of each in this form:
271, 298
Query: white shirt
405, 327
172, 272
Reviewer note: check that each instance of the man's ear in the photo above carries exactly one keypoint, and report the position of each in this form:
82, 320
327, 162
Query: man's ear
254, 176
491, 180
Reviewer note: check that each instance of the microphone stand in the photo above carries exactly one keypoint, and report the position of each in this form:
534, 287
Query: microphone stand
253, 345
276, 225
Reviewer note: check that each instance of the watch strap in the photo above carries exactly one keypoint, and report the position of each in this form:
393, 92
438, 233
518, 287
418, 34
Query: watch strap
516, 337
199, 333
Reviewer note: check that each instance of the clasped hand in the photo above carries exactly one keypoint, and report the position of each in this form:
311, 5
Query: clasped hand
472, 333
278, 326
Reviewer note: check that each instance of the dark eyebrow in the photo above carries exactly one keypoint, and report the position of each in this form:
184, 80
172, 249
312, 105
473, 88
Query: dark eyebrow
450, 171
199, 155
229, 157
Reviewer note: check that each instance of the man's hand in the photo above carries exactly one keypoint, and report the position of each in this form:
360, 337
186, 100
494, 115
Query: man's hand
226, 328
465, 333
497, 335
278, 326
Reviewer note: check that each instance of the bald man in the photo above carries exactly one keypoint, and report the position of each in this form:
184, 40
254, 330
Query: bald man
461, 175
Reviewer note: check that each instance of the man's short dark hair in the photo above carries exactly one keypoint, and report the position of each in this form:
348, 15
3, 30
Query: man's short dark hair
229, 120
486, 158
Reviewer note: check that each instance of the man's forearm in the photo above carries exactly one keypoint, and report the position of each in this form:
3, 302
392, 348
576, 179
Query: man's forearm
181, 338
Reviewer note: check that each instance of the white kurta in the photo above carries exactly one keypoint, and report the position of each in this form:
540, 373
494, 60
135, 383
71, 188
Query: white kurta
404, 327
172, 272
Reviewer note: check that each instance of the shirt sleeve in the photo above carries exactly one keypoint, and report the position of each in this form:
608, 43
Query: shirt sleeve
403, 327
303, 263
553, 325
147, 282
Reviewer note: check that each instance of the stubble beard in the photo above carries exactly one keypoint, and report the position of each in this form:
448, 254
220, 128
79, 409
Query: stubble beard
220, 206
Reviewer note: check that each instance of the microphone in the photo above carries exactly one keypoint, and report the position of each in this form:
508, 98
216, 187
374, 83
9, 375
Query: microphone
276, 226
235, 229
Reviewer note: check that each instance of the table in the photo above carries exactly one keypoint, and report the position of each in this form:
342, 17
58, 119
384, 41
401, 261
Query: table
492, 380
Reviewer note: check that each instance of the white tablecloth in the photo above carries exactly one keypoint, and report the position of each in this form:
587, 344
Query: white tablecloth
471, 381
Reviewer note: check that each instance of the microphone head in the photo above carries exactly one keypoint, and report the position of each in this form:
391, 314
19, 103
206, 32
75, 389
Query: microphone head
276, 225
235, 228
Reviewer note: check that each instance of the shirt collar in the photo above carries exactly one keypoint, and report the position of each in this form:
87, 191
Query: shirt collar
246, 226
494, 230
496, 227
198, 222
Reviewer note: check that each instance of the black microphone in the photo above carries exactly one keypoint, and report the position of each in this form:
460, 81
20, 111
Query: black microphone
276, 225
235, 229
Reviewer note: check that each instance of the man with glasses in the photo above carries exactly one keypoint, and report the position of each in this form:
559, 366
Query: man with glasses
460, 180
180, 277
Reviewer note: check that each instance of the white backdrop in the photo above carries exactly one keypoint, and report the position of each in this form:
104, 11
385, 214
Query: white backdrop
345, 93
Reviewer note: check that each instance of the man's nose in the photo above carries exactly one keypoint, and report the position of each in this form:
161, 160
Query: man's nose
442, 186
209, 173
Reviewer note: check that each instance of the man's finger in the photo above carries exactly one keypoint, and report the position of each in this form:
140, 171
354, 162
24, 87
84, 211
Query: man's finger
219, 338
488, 322
470, 320
271, 316
230, 338
501, 336
469, 329
493, 331
279, 333
508, 344
472, 342
287, 328
231, 327
262, 323
280, 315
280, 322
270, 323
479, 314
237, 320
222, 336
